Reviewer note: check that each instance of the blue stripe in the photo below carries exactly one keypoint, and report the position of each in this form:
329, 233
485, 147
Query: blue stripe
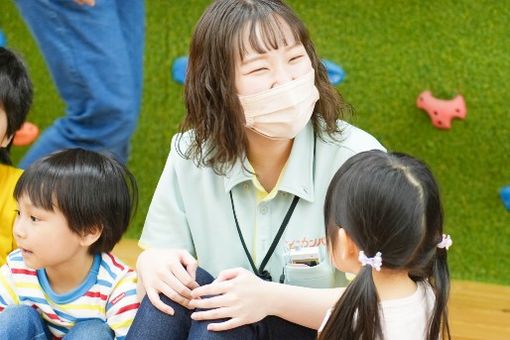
34, 299
61, 329
64, 316
16, 258
104, 283
107, 268
2, 301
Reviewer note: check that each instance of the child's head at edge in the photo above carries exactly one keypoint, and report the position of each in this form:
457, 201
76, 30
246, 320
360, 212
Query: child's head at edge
91, 190
15, 99
226, 30
388, 203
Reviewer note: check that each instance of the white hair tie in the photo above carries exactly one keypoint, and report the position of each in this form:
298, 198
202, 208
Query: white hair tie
374, 262
446, 242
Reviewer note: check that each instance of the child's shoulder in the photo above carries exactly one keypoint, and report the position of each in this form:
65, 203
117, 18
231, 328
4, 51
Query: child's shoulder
9, 173
113, 265
16, 264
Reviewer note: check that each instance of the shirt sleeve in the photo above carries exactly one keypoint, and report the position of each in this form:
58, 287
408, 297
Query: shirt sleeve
122, 305
166, 225
8, 294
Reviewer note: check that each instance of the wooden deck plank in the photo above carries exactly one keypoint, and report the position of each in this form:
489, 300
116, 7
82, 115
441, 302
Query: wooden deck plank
477, 310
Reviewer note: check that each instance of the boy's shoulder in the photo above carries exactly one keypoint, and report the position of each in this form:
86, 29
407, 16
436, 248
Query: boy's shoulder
16, 265
114, 264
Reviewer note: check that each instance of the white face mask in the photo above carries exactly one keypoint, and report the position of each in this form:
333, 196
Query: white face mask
281, 112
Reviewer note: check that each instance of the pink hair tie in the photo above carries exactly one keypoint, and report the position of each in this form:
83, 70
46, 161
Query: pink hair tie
374, 262
446, 242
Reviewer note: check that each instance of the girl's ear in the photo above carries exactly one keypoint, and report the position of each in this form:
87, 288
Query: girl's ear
348, 248
5, 141
91, 236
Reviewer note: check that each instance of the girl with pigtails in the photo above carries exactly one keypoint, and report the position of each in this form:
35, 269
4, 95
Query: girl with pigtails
384, 222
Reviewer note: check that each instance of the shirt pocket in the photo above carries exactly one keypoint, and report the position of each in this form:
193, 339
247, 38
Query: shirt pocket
319, 276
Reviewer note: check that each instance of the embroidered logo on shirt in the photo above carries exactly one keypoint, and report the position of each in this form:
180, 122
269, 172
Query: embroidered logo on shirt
118, 298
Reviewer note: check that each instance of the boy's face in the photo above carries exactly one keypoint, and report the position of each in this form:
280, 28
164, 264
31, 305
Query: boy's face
4, 139
44, 237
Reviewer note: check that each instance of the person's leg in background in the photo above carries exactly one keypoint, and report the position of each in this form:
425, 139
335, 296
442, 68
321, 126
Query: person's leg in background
95, 58
22, 322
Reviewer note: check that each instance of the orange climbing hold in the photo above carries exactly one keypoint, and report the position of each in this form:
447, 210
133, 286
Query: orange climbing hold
26, 135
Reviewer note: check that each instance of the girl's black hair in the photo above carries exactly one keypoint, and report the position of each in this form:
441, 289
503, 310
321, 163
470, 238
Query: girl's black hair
387, 202
15, 95
90, 189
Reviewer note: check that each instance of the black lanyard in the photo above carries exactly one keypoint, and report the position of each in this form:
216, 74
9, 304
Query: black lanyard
261, 272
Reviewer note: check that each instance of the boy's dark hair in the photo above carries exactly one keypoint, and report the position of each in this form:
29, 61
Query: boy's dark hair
90, 189
387, 202
214, 112
15, 95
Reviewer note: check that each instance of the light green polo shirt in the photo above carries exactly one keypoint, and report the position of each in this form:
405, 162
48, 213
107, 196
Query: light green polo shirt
191, 209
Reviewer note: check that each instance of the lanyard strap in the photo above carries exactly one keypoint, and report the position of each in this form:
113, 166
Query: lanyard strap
264, 274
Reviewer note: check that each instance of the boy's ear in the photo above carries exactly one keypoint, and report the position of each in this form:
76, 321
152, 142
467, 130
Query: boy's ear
347, 247
91, 236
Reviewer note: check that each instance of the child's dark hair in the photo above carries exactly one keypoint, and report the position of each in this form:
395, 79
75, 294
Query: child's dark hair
90, 189
388, 203
213, 108
15, 95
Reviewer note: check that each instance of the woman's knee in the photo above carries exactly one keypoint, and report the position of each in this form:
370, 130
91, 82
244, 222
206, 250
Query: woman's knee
203, 277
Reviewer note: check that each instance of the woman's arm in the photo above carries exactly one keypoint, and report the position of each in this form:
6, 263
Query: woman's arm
301, 305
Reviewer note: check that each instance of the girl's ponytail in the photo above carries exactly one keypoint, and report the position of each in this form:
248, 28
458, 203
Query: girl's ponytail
356, 314
440, 282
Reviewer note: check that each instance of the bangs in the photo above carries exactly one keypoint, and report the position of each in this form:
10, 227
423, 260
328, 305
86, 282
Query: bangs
266, 31
41, 186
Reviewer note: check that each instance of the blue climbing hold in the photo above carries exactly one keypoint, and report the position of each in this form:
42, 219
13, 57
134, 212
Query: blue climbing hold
179, 69
335, 73
3, 39
505, 196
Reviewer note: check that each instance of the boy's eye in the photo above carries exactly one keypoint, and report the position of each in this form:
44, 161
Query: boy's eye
33, 218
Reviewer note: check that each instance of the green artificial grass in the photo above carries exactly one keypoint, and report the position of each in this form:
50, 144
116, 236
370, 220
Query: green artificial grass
391, 51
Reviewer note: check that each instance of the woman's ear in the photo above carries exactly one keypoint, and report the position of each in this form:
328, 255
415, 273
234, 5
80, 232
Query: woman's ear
91, 236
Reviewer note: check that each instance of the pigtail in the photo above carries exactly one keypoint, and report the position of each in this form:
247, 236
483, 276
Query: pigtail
440, 282
356, 314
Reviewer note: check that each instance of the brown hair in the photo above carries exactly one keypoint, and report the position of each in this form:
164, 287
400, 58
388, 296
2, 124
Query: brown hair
214, 112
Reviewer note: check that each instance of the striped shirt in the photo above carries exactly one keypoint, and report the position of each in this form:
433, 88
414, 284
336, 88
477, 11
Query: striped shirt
108, 293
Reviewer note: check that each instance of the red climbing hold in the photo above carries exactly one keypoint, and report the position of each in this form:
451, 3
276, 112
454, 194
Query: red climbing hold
441, 112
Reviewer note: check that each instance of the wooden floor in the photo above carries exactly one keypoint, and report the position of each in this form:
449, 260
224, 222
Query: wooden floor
477, 310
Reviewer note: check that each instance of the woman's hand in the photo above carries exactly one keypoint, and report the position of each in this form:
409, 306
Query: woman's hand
237, 294
167, 271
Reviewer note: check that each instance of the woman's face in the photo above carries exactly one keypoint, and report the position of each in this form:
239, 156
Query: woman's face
257, 72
